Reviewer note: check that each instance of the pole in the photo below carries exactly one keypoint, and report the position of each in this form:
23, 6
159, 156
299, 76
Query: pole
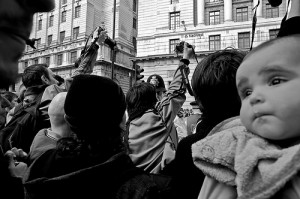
113, 37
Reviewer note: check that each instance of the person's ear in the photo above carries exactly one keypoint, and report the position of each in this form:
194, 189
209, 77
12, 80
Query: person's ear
45, 80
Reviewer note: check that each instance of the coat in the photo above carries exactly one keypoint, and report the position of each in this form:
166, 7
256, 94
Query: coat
155, 129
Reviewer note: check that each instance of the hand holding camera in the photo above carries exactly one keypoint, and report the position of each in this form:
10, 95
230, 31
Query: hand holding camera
188, 50
101, 37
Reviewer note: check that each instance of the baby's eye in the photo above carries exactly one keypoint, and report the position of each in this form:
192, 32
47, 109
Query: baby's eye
246, 93
276, 81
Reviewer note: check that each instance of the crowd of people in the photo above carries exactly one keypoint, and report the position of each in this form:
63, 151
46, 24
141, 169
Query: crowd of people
82, 137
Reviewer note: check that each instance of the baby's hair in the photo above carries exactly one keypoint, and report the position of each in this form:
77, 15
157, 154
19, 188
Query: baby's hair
271, 42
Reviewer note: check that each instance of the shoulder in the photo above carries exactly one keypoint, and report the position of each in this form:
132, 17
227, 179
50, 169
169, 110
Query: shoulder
144, 185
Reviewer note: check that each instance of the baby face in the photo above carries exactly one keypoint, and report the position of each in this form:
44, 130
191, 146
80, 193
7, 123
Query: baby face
268, 83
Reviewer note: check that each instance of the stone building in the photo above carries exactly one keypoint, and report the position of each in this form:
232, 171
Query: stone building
210, 25
62, 34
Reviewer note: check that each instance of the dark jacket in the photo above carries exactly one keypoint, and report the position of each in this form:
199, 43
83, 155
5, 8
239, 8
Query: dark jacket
25, 124
187, 177
51, 176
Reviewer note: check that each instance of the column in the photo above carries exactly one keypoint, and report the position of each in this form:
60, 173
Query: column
201, 11
227, 10
259, 10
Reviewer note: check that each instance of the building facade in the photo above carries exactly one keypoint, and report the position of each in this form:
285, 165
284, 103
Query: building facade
61, 35
210, 25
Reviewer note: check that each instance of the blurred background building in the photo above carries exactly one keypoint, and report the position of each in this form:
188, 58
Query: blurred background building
146, 33
210, 25
62, 33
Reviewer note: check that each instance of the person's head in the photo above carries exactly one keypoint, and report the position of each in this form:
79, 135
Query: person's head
38, 74
94, 109
16, 17
12, 99
140, 98
56, 114
268, 82
158, 82
213, 84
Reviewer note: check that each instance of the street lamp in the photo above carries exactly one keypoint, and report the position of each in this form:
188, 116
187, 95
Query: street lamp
113, 37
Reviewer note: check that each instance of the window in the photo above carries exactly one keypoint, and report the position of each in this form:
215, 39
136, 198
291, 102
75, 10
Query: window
244, 40
172, 44
271, 12
174, 20
134, 23
75, 33
59, 59
214, 17
134, 6
64, 2
38, 43
73, 56
25, 64
273, 33
40, 23
215, 42
242, 14
47, 61
77, 11
134, 42
63, 16
174, 1
51, 20
62, 36
49, 40
36, 61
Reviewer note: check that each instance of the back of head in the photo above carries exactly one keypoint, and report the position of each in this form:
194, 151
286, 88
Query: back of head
10, 96
94, 108
213, 83
56, 110
32, 75
158, 82
139, 98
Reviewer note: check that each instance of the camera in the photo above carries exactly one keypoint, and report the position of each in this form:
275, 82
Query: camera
108, 41
179, 47
275, 3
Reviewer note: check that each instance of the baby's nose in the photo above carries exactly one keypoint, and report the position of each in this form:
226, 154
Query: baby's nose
256, 98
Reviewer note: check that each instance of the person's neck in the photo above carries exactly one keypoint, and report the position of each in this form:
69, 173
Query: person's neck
61, 131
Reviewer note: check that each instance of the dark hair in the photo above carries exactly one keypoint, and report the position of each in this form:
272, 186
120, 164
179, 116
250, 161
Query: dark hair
213, 83
96, 131
32, 75
271, 42
9, 96
59, 79
139, 98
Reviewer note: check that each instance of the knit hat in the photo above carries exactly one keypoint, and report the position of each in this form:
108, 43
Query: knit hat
157, 81
94, 104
